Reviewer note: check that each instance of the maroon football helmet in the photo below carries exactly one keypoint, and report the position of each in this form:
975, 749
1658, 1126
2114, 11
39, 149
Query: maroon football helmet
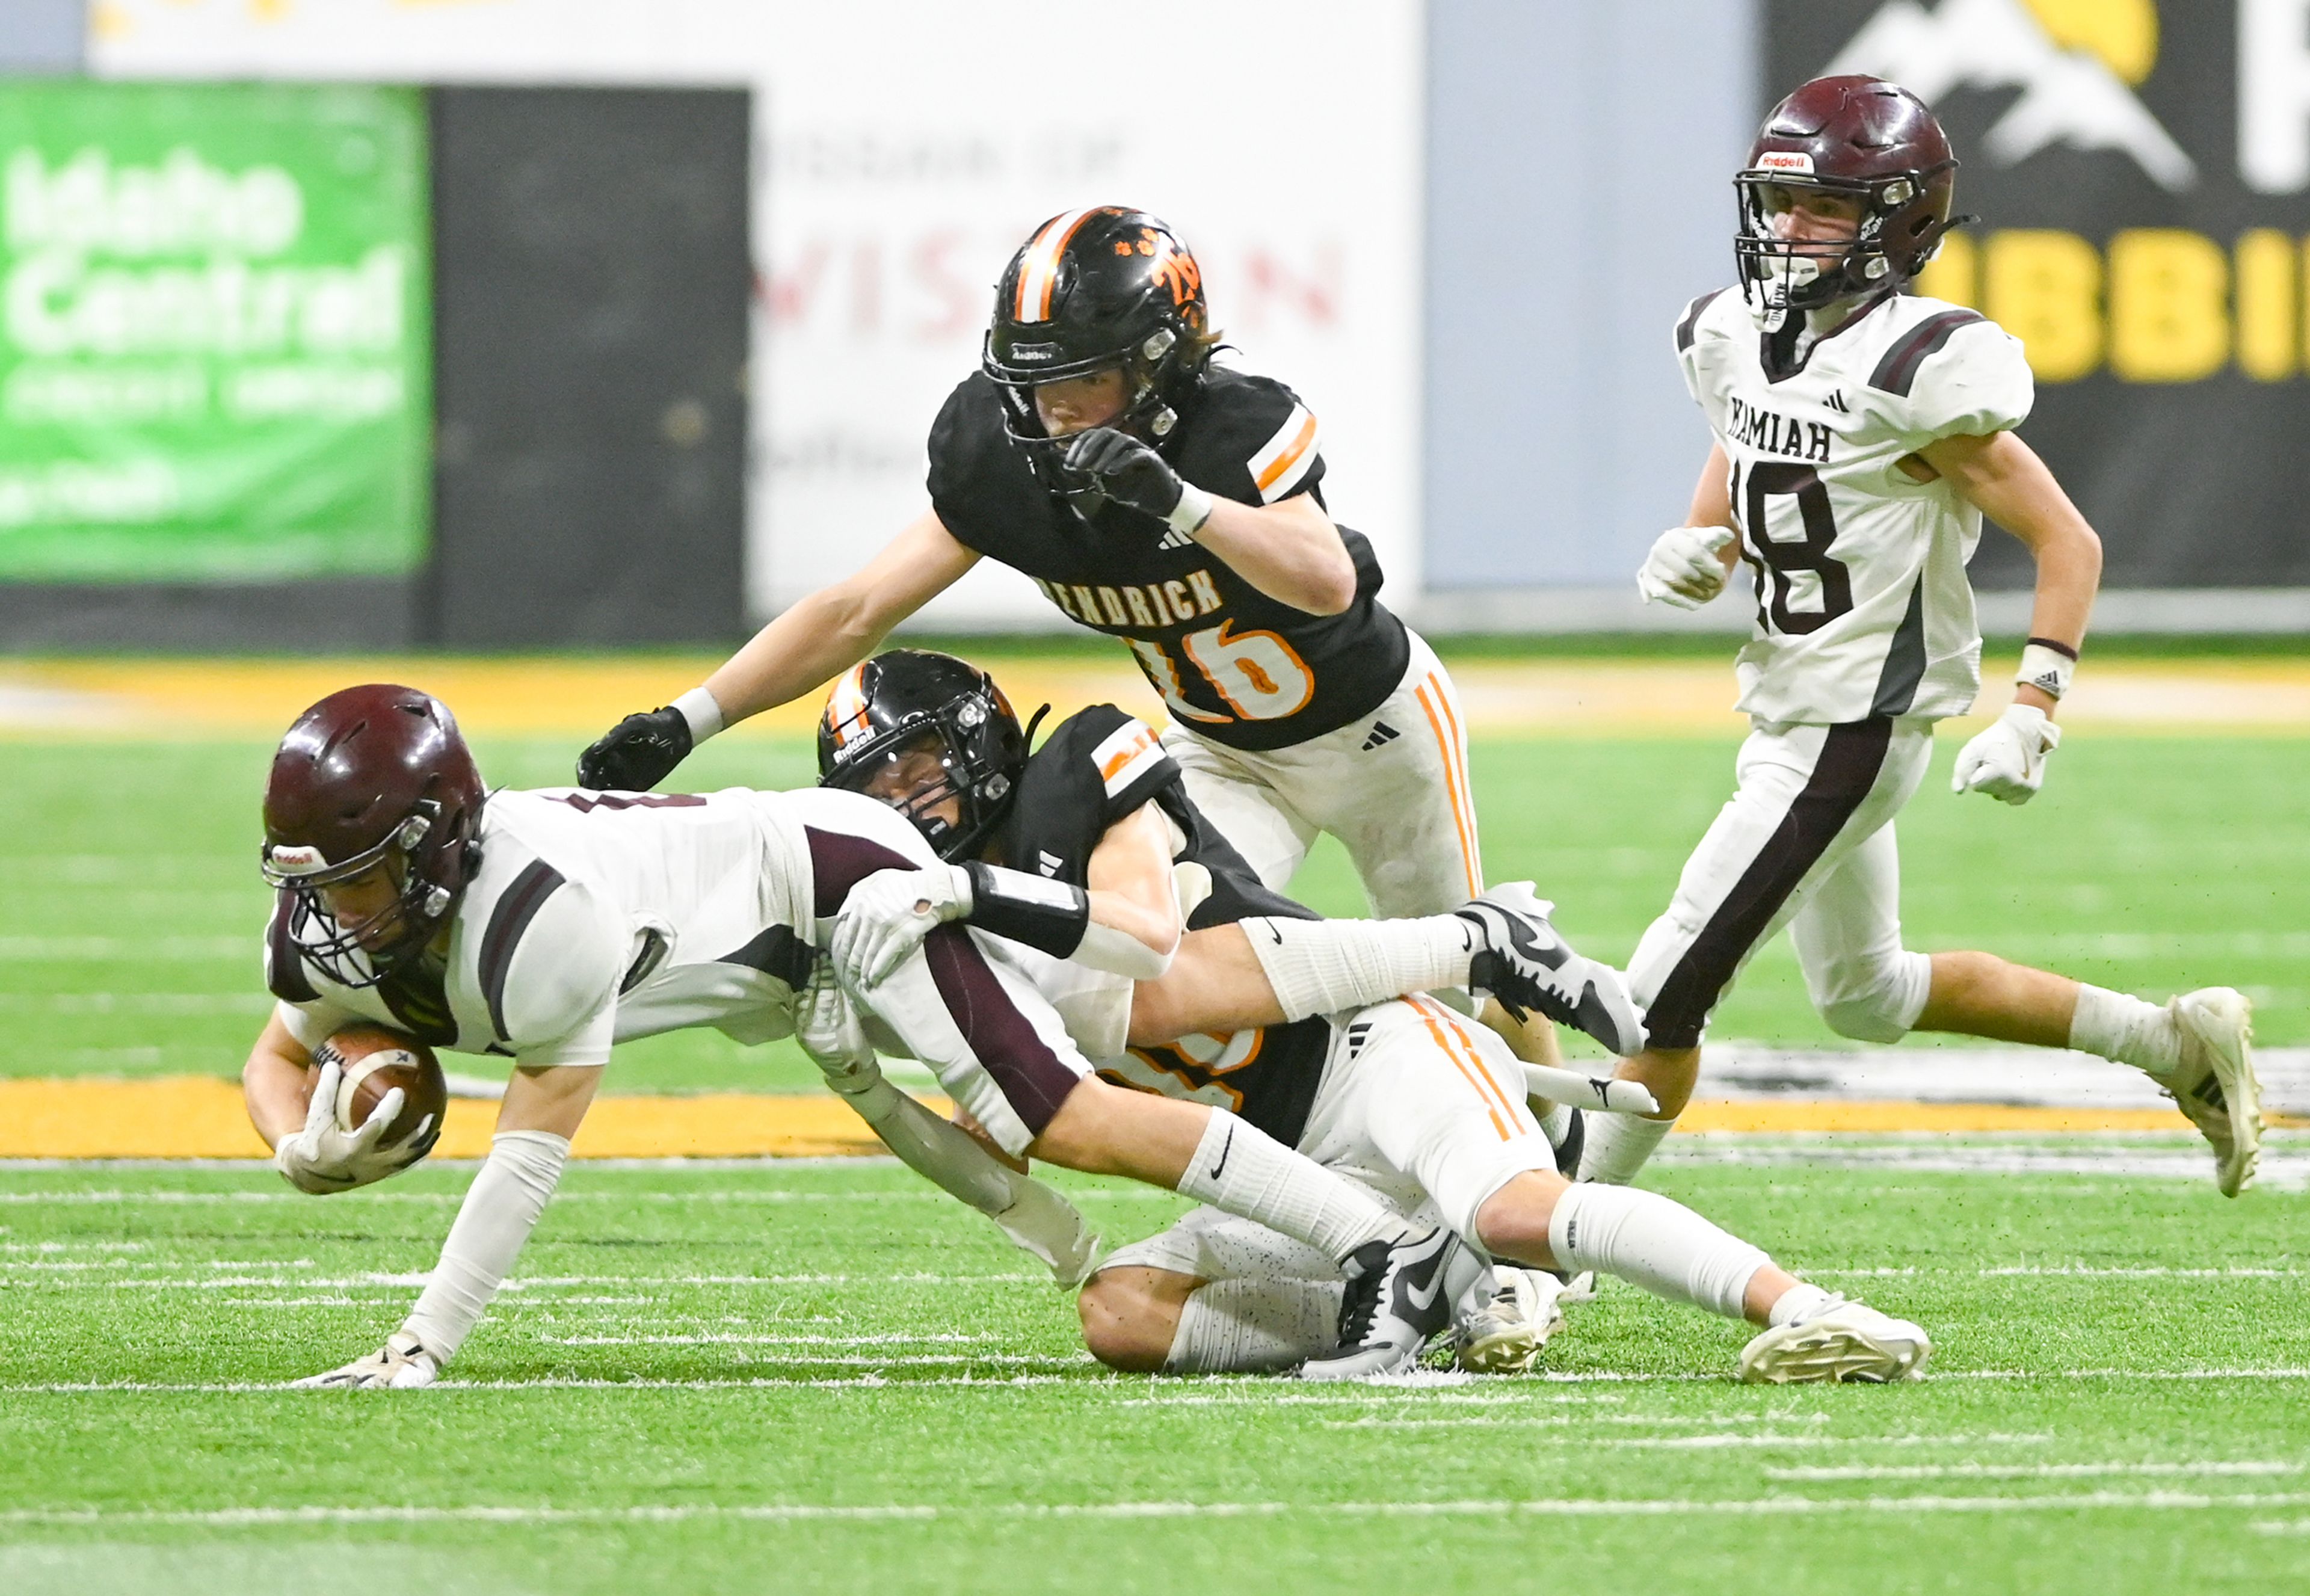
371, 775
1863, 138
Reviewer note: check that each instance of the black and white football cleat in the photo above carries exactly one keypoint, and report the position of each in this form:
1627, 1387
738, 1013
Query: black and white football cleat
1526, 965
1396, 1299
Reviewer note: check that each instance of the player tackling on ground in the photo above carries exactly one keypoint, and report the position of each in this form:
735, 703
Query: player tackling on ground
1861, 436
1094, 868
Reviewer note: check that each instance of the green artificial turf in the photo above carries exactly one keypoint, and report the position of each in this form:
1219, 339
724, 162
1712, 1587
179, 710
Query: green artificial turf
810, 1377
130, 907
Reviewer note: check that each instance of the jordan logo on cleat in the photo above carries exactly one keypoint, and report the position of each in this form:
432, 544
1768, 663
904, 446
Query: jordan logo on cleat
1381, 734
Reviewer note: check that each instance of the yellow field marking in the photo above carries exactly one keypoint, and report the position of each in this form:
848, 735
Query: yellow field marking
198, 1116
581, 698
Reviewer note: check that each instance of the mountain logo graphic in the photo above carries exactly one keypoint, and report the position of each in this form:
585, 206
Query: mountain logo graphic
2069, 95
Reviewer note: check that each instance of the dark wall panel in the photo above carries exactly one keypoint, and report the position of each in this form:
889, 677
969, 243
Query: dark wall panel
591, 280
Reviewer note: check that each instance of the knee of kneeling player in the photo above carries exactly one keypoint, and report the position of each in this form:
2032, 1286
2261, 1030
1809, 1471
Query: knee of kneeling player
1882, 1008
1124, 1326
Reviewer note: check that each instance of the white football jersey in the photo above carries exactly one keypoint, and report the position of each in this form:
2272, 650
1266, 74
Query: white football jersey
599, 917
1863, 607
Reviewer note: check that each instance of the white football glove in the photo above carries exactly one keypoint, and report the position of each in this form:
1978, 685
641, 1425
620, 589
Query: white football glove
402, 1363
1683, 569
887, 914
321, 1158
828, 1027
2008, 760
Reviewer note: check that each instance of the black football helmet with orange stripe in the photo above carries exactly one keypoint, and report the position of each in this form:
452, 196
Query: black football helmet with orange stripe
1866, 139
882, 715
1094, 290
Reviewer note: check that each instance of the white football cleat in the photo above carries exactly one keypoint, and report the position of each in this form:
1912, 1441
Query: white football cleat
1837, 1341
402, 1363
1504, 1319
1394, 1301
1526, 964
2215, 1085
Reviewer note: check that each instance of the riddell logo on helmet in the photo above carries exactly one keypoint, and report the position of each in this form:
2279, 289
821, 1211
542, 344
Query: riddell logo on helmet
1785, 160
1029, 354
296, 859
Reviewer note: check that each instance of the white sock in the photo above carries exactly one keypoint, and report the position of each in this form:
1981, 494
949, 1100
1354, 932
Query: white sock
1800, 1301
1241, 1168
1251, 1326
501, 1209
1648, 1240
1618, 1145
1325, 967
2122, 1027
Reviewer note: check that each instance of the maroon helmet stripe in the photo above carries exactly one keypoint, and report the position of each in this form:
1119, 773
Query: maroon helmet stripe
1692, 319
508, 921
1898, 369
1004, 1041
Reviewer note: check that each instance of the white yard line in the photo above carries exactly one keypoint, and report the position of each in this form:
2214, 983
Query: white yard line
2025, 1470
1538, 1507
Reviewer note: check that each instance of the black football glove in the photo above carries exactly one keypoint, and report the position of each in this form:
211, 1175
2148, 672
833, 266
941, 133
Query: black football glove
636, 754
1126, 471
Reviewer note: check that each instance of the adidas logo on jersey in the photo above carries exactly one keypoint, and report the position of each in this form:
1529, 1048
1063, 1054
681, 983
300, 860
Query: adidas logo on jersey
1381, 734
1836, 401
1174, 539
1359, 1033
1048, 863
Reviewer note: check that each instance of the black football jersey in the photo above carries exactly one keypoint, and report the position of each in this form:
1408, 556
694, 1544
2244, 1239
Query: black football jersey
1095, 768
1239, 667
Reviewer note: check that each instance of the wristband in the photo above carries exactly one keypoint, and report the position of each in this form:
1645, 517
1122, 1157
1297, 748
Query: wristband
1044, 914
699, 707
2047, 666
1195, 507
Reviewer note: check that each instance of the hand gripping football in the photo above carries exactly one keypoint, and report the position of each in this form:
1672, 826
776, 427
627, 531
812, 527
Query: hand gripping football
373, 1061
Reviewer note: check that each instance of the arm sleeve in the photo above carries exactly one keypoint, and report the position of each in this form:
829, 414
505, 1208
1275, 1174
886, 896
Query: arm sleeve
561, 999
312, 1023
1977, 383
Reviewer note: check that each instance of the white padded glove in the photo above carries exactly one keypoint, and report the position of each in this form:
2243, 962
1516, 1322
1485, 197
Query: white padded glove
887, 914
321, 1158
828, 1027
1683, 569
2008, 760
402, 1363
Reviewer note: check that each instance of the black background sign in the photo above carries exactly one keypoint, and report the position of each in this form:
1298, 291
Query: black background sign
2163, 308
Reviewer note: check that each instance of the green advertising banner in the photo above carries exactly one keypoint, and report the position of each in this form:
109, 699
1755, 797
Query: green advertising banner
214, 332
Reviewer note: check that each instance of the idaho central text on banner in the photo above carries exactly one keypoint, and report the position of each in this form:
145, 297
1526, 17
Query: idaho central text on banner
214, 332
2141, 170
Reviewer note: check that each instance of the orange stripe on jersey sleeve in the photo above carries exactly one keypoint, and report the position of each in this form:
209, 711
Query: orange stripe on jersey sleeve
1276, 470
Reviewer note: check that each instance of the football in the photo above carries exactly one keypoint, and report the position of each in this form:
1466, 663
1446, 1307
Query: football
375, 1059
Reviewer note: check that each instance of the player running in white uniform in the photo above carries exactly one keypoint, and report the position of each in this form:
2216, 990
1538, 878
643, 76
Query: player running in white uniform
1861, 435
543, 926
1174, 503
1095, 864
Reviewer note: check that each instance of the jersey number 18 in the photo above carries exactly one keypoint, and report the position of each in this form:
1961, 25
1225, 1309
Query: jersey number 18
1776, 562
